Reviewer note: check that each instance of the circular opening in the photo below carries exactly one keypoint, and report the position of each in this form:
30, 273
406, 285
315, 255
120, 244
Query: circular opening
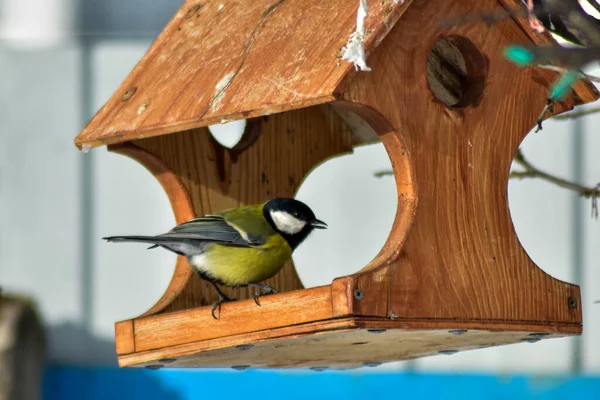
456, 71
228, 134
541, 212
142, 208
358, 208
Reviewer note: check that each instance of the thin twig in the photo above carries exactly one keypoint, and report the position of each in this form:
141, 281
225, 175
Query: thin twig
380, 174
577, 114
548, 108
533, 172
565, 70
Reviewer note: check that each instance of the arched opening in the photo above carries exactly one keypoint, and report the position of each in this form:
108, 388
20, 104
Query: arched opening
368, 216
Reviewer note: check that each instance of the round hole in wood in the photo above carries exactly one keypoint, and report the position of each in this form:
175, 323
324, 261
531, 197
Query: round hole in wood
456, 72
359, 209
228, 134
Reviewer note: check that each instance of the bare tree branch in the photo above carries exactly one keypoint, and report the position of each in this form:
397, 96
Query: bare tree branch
577, 114
533, 172
564, 70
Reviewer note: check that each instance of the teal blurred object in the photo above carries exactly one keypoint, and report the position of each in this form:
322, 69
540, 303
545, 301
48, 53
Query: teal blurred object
519, 55
522, 57
97, 383
562, 88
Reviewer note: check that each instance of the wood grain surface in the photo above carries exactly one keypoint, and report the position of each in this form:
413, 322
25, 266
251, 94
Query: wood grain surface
342, 344
236, 59
452, 261
286, 147
461, 258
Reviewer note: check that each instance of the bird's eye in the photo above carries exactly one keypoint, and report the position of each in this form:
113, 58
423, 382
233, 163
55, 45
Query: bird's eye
296, 214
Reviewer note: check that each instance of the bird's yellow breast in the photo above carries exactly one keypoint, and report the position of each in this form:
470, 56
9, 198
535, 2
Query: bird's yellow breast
242, 265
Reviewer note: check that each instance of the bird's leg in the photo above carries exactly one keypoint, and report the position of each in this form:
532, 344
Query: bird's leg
222, 299
264, 289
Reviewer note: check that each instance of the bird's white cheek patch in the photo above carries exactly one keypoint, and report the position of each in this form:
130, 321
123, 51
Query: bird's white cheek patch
287, 223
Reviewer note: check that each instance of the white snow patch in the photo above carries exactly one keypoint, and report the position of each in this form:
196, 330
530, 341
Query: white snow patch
355, 48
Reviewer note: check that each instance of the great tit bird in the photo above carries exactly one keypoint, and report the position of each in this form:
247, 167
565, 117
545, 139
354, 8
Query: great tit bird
241, 246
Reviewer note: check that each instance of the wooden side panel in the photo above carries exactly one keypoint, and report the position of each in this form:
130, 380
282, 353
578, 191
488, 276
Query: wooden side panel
342, 344
286, 147
235, 59
461, 258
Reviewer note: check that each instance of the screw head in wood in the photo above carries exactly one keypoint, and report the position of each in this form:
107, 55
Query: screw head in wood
319, 369
448, 352
245, 346
240, 367
129, 93
167, 360
372, 364
358, 294
572, 303
457, 331
154, 366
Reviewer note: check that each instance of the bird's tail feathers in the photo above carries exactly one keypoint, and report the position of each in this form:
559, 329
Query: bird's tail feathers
155, 240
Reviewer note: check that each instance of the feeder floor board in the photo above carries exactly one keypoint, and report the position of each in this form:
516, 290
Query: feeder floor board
297, 330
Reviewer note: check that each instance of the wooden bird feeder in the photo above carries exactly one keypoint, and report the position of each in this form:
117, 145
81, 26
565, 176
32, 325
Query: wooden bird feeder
451, 112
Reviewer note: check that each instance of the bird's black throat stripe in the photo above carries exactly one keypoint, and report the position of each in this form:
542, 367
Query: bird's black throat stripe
293, 240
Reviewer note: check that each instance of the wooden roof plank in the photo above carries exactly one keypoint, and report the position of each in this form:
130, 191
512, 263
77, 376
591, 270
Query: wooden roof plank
233, 59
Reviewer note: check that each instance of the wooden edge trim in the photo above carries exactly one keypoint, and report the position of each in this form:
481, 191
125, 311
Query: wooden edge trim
124, 339
339, 325
286, 332
238, 317
584, 90
482, 324
125, 137
341, 296
182, 208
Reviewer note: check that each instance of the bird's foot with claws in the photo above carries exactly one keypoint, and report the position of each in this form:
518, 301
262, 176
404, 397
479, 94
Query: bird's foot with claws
264, 290
217, 304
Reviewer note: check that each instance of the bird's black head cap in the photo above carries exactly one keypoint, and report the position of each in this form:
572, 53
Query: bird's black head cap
293, 219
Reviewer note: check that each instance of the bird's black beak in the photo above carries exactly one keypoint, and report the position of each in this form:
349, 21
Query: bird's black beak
318, 224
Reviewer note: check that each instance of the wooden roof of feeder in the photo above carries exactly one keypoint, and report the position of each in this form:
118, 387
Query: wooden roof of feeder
452, 274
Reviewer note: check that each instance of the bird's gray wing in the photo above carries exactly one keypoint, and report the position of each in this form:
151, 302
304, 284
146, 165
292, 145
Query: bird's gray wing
191, 238
213, 228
